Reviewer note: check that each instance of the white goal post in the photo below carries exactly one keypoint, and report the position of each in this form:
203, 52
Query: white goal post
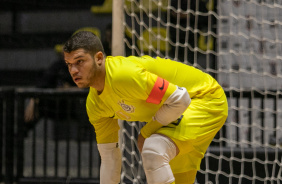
239, 42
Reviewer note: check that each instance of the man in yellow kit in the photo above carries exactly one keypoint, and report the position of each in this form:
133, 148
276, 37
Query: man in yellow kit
184, 109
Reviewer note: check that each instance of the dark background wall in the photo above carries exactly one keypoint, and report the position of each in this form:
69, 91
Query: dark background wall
29, 30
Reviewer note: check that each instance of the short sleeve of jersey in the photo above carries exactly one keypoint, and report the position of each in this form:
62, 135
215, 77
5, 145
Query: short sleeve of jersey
104, 129
104, 126
137, 83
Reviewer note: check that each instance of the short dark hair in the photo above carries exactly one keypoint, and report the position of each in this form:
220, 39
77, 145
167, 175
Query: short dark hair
84, 40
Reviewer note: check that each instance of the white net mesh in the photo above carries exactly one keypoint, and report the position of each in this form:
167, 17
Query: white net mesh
239, 42
132, 169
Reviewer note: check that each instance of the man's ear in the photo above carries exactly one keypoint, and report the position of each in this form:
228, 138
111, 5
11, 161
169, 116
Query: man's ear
99, 58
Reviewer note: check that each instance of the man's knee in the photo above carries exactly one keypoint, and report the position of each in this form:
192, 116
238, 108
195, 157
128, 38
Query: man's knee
156, 154
153, 160
158, 151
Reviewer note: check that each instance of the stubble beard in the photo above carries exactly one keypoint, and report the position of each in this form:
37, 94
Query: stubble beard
92, 77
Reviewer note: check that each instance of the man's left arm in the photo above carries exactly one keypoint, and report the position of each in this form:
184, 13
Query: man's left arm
171, 110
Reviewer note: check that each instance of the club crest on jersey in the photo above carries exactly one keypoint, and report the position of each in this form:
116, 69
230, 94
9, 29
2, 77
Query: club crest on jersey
126, 108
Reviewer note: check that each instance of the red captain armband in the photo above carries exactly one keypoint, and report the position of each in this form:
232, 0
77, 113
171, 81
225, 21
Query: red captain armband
158, 91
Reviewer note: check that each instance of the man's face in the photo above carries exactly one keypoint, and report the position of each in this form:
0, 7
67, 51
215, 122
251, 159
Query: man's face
82, 67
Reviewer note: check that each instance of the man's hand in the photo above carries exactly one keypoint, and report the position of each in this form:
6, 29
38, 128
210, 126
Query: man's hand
140, 142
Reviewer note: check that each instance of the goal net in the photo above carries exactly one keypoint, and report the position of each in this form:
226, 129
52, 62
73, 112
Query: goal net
239, 42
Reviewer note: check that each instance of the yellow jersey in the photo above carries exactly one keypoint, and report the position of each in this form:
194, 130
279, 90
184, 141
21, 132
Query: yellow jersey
136, 87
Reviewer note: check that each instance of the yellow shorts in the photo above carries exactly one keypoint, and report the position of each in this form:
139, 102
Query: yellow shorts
200, 123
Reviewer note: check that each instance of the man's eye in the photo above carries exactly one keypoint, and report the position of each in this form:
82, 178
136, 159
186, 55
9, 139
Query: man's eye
79, 61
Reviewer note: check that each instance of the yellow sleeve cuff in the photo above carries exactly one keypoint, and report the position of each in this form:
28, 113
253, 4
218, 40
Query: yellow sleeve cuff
150, 128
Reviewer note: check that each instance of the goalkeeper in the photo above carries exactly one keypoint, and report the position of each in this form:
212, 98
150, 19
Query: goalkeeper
184, 109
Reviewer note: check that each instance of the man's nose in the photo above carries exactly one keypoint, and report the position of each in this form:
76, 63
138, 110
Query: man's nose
73, 69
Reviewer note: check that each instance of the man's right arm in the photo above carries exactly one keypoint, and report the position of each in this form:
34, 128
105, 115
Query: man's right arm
110, 162
107, 141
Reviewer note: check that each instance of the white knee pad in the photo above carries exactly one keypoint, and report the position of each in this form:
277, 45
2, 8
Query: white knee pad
156, 154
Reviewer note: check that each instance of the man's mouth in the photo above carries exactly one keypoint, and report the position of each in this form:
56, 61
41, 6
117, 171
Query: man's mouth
76, 79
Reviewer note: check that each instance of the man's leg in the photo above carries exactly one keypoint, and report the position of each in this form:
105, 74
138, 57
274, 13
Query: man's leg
157, 152
186, 177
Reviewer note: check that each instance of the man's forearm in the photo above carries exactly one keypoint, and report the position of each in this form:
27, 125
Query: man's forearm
110, 163
173, 107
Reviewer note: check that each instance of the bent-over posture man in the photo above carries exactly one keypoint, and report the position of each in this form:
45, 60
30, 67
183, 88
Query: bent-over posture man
184, 109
